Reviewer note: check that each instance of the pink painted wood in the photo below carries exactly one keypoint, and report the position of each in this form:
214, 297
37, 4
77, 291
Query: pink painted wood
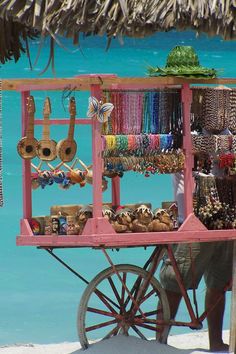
63, 121
26, 167
97, 158
99, 76
25, 228
113, 239
192, 223
186, 96
115, 190
44, 87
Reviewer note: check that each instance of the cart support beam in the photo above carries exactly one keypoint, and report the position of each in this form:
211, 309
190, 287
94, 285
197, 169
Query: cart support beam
67, 266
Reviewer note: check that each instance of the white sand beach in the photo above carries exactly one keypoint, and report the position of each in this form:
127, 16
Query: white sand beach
190, 343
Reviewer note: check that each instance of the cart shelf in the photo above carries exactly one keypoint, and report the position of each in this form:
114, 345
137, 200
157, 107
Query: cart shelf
190, 231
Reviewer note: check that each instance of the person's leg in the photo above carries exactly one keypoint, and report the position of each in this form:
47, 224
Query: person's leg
174, 301
215, 320
183, 257
216, 276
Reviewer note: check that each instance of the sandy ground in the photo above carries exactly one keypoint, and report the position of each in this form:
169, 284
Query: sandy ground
191, 343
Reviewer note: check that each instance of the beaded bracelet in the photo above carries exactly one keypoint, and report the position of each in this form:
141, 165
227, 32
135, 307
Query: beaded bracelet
204, 143
131, 142
163, 142
122, 142
145, 141
111, 142
169, 142
233, 146
223, 143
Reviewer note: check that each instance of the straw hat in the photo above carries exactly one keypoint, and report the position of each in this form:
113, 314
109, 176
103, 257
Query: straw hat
183, 61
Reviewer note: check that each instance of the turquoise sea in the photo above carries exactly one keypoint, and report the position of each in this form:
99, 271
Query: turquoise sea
38, 297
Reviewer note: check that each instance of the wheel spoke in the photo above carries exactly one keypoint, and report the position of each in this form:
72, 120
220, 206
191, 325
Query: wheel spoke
100, 325
139, 321
129, 293
146, 326
153, 291
139, 292
113, 332
139, 296
135, 286
150, 313
130, 307
100, 293
114, 290
139, 333
104, 313
123, 289
106, 303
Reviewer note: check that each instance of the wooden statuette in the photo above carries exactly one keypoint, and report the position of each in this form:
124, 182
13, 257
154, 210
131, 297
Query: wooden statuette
66, 148
27, 146
46, 148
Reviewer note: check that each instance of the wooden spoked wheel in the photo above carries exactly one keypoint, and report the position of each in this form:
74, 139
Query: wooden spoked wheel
125, 302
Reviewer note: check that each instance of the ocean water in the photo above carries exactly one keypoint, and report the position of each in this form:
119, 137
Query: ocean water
38, 297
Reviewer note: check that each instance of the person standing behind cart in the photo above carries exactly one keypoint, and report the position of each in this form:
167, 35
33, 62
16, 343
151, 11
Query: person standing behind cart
211, 259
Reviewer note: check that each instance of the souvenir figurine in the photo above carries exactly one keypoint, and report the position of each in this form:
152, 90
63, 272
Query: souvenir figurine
143, 217
62, 225
55, 225
161, 221
123, 220
108, 213
34, 180
84, 214
88, 173
48, 225
44, 177
59, 176
75, 175
35, 226
72, 225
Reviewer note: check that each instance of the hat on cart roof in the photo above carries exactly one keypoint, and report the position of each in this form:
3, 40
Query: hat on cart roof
183, 61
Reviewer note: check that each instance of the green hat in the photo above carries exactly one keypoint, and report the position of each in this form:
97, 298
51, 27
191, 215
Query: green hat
183, 61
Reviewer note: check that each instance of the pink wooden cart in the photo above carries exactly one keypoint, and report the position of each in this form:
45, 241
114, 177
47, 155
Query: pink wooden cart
136, 302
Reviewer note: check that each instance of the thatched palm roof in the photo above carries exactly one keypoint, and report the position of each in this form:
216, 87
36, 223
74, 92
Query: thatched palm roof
135, 18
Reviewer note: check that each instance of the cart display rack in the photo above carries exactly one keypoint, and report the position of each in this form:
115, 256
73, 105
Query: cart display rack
98, 232
125, 308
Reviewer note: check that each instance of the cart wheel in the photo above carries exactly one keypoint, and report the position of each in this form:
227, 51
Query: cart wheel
109, 306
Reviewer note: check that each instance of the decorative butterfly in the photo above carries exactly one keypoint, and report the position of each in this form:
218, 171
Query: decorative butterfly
99, 110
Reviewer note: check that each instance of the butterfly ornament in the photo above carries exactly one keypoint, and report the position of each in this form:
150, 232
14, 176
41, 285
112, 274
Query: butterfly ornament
101, 111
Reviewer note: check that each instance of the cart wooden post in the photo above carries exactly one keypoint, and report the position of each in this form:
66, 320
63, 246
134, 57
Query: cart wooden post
186, 97
26, 170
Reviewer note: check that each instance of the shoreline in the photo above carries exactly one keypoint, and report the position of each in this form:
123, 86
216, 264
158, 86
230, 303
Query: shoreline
189, 343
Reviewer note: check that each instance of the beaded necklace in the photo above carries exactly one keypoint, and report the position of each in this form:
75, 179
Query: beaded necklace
138, 127
126, 111
115, 113
146, 117
161, 113
148, 112
155, 113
